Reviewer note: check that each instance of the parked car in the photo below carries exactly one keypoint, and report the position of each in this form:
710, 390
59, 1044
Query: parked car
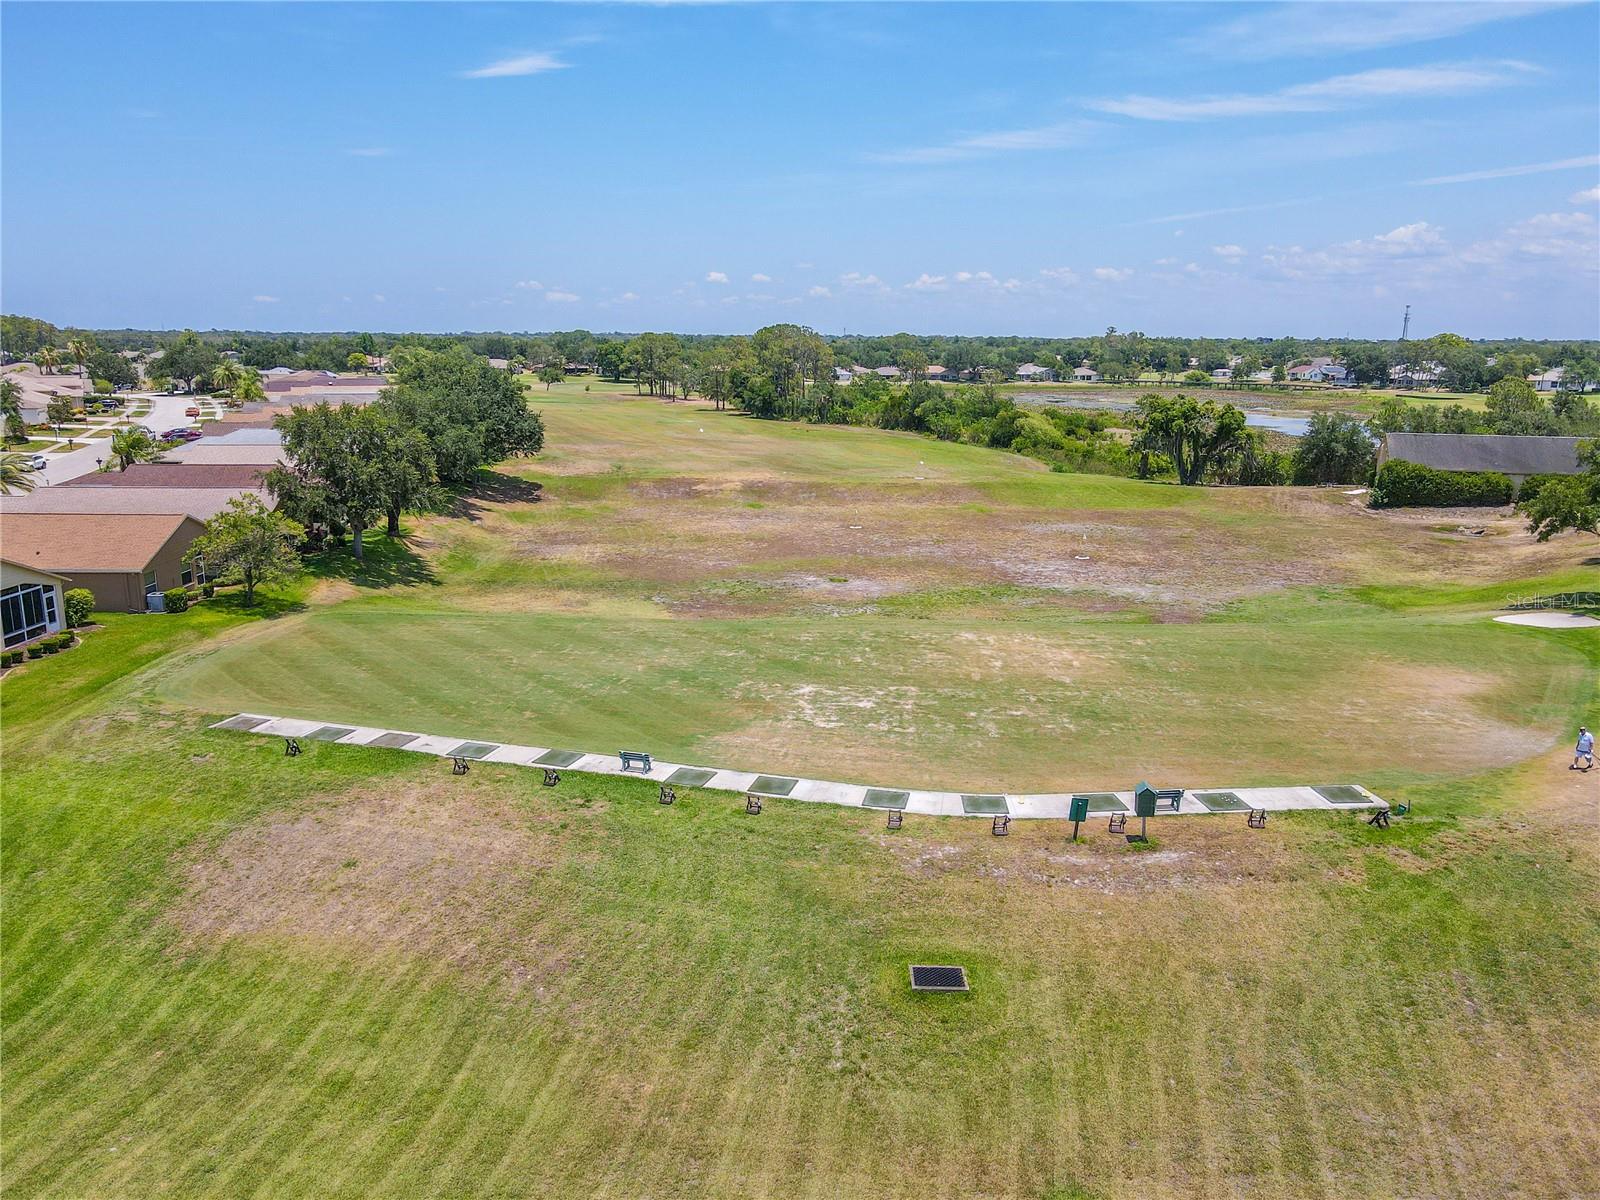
191, 411
36, 462
184, 433
145, 429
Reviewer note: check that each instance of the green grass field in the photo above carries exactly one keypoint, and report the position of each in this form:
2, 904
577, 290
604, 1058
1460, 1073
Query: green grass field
352, 974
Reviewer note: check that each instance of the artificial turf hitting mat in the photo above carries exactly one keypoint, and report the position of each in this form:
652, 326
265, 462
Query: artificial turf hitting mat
772, 785
983, 804
558, 758
1343, 793
330, 733
690, 777
474, 749
1221, 801
243, 724
885, 798
1102, 802
393, 741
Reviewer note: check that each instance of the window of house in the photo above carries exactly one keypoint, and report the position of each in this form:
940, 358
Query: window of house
27, 611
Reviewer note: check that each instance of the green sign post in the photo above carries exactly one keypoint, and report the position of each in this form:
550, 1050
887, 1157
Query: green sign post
1078, 814
1144, 805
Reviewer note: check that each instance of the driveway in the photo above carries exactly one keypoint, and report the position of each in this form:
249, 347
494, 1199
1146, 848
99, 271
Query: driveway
166, 412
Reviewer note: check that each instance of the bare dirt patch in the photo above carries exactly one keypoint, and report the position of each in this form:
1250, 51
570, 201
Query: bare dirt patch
396, 871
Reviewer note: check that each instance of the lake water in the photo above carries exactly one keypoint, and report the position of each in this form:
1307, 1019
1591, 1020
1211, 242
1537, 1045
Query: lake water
1293, 426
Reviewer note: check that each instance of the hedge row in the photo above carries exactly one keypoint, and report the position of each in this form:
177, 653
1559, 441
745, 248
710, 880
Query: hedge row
1407, 484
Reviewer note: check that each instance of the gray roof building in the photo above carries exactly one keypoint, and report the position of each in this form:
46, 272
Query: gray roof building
1517, 456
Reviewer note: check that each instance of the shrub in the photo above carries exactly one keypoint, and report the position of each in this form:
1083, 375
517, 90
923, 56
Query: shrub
1533, 485
64, 640
208, 589
36, 650
1406, 484
10, 658
177, 599
80, 603
49, 646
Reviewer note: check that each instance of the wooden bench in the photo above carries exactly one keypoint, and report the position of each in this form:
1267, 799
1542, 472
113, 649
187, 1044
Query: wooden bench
551, 777
632, 758
291, 747
1257, 818
1172, 796
1119, 823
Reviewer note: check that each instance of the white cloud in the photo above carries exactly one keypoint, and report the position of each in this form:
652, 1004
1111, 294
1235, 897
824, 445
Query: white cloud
1292, 30
1340, 91
758, 277
1064, 275
819, 291
522, 64
378, 296
370, 152
530, 285
265, 299
1589, 196
629, 296
855, 279
928, 283
1113, 274
561, 297
1555, 235
1045, 137
1418, 243
1561, 164
1230, 252
1221, 212
716, 277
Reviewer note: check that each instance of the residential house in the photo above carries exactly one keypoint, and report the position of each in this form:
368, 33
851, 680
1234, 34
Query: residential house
1426, 374
233, 476
887, 372
31, 603
1033, 373
842, 375
224, 452
1222, 374
938, 373
1518, 456
199, 503
1085, 374
124, 558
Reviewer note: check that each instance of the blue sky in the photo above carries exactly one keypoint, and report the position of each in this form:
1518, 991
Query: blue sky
1039, 169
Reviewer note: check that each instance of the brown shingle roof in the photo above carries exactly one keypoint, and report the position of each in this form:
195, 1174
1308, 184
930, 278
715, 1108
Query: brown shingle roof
1514, 454
174, 475
203, 503
76, 542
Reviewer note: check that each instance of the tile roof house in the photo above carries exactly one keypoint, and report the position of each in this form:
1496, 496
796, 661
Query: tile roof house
200, 503
175, 475
123, 559
1034, 373
1086, 374
31, 603
1514, 455
887, 372
226, 453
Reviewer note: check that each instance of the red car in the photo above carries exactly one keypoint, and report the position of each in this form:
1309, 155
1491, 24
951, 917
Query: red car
191, 411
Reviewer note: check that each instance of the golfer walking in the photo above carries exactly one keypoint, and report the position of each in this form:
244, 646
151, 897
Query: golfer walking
1583, 756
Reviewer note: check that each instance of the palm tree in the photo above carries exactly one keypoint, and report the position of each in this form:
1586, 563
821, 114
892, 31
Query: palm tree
48, 359
223, 376
79, 351
11, 410
16, 474
248, 386
129, 446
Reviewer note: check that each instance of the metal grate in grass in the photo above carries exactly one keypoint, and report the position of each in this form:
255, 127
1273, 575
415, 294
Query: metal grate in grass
1342, 793
690, 777
1102, 802
330, 733
393, 741
884, 798
772, 785
1221, 801
474, 749
938, 978
985, 804
558, 758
